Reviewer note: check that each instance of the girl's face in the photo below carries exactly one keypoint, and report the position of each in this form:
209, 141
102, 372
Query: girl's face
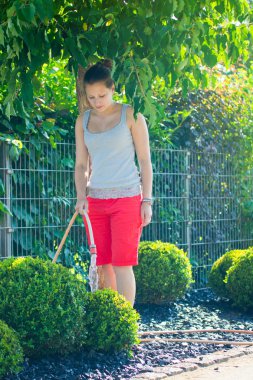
99, 96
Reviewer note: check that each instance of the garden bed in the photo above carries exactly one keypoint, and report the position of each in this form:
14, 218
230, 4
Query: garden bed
197, 310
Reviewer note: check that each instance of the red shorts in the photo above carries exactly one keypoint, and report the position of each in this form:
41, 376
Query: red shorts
117, 228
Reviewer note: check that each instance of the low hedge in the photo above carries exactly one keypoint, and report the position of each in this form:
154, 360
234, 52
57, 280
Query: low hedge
219, 271
163, 274
11, 353
239, 281
44, 303
111, 322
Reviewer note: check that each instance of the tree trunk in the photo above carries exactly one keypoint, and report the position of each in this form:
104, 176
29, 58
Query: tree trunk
80, 92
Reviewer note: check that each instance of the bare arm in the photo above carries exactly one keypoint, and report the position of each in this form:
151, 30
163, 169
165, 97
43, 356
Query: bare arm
81, 166
140, 135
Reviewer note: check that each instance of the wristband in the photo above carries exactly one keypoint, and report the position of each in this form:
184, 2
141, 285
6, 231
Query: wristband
147, 200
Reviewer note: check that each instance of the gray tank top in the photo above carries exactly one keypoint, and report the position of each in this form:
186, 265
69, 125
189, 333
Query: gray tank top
114, 173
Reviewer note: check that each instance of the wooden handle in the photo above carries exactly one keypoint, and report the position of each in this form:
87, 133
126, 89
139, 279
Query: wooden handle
92, 243
65, 236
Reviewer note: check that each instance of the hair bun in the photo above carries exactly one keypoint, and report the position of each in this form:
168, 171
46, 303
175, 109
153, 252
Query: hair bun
107, 63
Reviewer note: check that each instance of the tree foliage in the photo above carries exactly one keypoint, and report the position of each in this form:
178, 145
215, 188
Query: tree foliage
174, 40
217, 119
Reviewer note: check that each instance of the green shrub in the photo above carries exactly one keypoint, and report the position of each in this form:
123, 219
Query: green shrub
11, 353
111, 322
239, 281
163, 274
219, 270
44, 303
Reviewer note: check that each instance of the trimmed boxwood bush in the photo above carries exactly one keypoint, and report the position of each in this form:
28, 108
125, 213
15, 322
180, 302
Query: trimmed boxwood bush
239, 281
11, 353
45, 304
111, 322
219, 270
163, 274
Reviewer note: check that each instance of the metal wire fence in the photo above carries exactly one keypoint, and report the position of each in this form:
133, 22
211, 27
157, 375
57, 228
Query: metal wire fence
198, 204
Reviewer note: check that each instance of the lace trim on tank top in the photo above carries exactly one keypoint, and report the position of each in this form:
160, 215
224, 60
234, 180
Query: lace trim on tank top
119, 192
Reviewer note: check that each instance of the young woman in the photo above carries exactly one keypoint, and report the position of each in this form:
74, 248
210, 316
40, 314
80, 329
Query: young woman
108, 184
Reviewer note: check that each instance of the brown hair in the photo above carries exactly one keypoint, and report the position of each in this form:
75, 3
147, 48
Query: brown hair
100, 72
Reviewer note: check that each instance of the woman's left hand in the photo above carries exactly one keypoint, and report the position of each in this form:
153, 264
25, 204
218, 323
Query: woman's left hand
146, 213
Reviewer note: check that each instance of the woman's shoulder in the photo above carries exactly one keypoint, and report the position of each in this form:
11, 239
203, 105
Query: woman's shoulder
130, 114
81, 115
129, 110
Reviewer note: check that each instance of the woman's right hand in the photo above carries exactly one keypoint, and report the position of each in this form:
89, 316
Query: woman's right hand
81, 204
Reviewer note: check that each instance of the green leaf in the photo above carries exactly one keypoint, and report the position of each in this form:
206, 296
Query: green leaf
11, 11
14, 153
44, 9
8, 110
1, 36
19, 106
182, 64
25, 241
12, 82
100, 22
221, 7
27, 88
69, 162
17, 47
52, 141
11, 30
131, 88
209, 57
28, 11
22, 214
4, 209
70, 42
2, 189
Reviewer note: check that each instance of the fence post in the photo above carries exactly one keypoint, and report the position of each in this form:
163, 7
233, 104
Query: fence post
187, 202
5, 223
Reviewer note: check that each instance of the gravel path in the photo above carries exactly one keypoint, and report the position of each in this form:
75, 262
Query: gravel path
198, 310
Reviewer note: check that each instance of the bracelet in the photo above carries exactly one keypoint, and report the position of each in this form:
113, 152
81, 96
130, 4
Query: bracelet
147, 200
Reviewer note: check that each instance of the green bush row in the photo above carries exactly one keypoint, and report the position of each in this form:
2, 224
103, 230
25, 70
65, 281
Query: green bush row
51, 311
231, 276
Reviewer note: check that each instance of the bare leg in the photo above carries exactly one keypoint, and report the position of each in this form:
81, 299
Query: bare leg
109, 276
125, 282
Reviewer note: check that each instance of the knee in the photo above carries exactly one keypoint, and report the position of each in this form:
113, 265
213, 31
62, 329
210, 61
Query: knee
107, 268
121, 270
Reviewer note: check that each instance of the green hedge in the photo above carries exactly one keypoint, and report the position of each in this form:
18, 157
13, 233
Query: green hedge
239, 281
163, 274
11, 353
219, 271
111, 322
44, 303
52, 312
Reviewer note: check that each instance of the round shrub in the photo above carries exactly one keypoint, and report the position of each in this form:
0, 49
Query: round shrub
111, 322
44, 303
163, 274
219, 270
11, 353
239, 281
